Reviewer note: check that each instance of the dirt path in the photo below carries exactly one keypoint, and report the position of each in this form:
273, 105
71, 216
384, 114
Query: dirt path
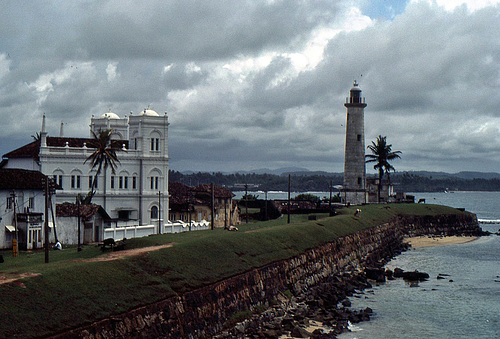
126, 253
6, 278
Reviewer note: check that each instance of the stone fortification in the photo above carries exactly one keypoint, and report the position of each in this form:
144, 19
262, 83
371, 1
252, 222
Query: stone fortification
203, 312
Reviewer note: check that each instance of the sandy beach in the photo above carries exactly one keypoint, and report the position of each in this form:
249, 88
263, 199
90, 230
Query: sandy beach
427, 241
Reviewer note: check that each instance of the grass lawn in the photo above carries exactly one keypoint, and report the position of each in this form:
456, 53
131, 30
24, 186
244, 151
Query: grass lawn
68, 292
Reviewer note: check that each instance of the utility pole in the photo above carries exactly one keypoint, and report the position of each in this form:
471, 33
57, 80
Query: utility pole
46, 228
246, 201
225, 213
265, 206
159, 212
79, 248
189, 208
15, 246
330, 201
213, 205
288, 198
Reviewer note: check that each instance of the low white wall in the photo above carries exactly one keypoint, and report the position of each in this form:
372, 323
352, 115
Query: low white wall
129, 232
136, 231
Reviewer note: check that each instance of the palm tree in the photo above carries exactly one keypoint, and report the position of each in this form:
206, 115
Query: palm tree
104, 156
382, 153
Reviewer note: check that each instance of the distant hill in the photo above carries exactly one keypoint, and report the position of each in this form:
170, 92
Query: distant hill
477, 175
413, 181
468, 175
278, 171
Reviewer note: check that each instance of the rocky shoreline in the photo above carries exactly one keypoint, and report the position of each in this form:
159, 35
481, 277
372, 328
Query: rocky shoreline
323, 310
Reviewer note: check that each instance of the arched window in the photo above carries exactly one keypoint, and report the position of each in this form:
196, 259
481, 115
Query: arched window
155, 178
58, 177
155, 138
154, 212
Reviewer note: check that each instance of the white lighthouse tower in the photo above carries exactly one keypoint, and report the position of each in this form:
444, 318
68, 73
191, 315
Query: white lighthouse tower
354, 191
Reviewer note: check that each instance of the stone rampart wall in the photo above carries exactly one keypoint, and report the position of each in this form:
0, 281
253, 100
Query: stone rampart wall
202, 313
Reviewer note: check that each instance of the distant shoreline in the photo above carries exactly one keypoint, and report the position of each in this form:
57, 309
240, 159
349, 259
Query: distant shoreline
429, 241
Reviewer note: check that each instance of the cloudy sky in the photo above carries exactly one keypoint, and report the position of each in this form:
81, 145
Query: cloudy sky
253, 84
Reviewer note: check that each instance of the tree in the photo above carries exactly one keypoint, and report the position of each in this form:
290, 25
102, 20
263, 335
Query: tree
382, 153
307, 197
104, 156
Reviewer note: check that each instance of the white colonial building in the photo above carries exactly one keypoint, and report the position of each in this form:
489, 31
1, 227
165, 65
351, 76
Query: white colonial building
22, 209
137, 194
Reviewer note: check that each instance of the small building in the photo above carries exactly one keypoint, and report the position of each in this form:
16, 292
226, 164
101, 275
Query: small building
93, 221
22, 209
386, 191
190, 204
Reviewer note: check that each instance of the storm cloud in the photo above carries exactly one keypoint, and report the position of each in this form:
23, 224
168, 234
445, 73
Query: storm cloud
253, 84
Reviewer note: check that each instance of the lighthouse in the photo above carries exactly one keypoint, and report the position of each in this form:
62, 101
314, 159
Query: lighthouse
354, 190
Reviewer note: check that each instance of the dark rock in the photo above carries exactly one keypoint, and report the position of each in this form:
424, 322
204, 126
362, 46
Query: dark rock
346, 303
398, 273
271, 333
415, 276
299, 332
376, 274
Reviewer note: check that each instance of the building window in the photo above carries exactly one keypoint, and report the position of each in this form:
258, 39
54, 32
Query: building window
135, 143
91, 180
154, 212
359, 137
120, 182
10, 203
75, 181
112, 181
360, 181
155, 144
124, 215
134, 183
154, 183
125, 182
58, 179
31, 202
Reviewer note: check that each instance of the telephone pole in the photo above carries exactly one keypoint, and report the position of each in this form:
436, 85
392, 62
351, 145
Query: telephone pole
159, 212
288, 220
15, 246
213, 204
46, 219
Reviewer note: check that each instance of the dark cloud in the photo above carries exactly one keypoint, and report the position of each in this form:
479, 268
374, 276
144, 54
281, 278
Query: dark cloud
197, 30
246, 84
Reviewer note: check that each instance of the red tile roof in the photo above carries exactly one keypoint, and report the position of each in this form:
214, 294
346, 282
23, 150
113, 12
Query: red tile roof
13, 178
199, 195
86, 211
32, 149
219, 191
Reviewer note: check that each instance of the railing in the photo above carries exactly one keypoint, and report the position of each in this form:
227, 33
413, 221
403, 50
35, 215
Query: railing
129, 232
180, 226
136, 231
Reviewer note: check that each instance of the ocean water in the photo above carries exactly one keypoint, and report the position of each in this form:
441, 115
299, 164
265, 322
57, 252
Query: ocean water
464, 305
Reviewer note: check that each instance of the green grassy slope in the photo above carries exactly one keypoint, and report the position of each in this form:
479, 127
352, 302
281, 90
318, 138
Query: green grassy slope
69, 292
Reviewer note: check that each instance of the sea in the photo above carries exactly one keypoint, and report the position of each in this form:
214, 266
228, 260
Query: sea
466, 304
